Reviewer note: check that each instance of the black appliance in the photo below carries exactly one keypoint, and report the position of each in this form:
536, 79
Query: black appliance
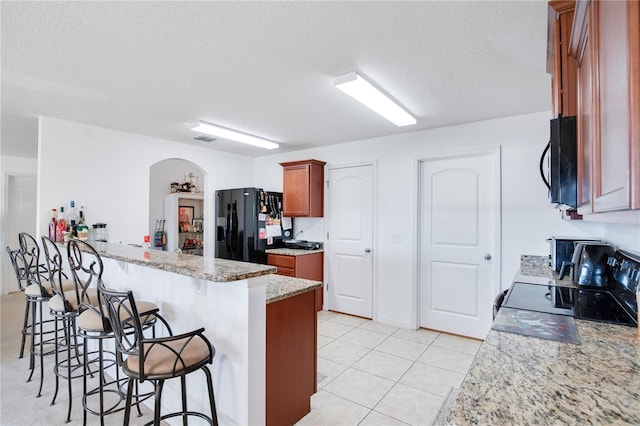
561, 250
563, 162
589, 263
615, 305
249, 221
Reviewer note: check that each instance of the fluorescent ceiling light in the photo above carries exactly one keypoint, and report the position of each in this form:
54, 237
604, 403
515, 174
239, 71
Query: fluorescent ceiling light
367, 94
224, 133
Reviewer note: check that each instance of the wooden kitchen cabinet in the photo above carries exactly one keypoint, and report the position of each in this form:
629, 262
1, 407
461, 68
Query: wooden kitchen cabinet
606, 43
307, 266
303, 188
560, 64
291, 358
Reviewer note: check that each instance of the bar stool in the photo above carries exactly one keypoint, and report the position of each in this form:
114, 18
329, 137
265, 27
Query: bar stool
93, 324
37, 292
18, 264
65, 307
157, 359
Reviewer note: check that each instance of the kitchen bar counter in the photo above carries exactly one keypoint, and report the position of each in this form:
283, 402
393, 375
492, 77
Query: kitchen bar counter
229, 299
516, 379
205, 268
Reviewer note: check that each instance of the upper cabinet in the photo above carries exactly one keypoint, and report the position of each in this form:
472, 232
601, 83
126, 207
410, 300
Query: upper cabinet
303, 188
605, 44
560, 65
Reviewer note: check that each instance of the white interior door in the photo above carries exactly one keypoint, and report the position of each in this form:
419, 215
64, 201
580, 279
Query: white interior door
350, 251
459, 243
21, 217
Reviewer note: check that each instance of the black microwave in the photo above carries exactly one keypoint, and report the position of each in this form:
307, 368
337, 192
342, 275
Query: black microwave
563, 162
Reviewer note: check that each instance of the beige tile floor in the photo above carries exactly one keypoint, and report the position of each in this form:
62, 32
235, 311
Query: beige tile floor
374, 374
368, 373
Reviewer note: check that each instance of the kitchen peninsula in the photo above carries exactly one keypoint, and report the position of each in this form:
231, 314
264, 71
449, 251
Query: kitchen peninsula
516, 379
238, 304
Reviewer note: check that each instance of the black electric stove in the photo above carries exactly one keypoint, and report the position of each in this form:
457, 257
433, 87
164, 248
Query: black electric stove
615, 305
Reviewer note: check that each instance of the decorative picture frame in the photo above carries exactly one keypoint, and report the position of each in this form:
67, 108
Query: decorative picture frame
185, 217
198, 225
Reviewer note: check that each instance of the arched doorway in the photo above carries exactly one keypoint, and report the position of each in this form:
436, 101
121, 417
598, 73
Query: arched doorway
161, 175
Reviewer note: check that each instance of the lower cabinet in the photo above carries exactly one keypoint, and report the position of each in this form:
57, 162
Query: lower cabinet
291, 358
307, 266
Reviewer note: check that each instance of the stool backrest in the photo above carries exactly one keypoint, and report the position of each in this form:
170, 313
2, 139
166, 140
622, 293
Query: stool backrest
125, 321
54, 265
86, 268
30, 252
19, 267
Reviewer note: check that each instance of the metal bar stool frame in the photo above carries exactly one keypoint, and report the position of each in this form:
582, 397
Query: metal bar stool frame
66, 306
187, 352
93, 324
18, 264
36, 294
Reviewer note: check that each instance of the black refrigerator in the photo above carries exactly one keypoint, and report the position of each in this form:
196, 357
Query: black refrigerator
249, 221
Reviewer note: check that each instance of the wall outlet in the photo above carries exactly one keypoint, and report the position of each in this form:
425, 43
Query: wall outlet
396, 238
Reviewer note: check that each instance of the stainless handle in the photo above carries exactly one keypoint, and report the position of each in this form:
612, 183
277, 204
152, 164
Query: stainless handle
487, 256
367, 250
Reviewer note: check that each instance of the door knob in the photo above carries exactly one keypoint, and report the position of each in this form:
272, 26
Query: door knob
487, 256
367, 250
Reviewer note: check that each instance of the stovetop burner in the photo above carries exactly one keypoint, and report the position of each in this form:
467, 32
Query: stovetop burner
594, 305
615, 304
601, 306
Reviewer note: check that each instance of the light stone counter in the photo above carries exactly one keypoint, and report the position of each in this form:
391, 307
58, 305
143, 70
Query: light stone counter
516, 380
292, 252
205, 268
280, 287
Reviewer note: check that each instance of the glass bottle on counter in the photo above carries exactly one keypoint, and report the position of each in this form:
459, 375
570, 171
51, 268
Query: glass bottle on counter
62, 226
53, 225
72, 219
81, 215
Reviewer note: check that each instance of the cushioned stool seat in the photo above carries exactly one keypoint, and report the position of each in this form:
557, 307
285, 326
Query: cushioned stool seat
170, 359
57, 302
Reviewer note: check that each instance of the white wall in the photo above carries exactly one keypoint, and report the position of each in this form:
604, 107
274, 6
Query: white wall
626, 237
107, 171
527, 217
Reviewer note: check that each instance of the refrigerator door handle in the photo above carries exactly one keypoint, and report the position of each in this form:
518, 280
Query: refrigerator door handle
228, 228
234, 227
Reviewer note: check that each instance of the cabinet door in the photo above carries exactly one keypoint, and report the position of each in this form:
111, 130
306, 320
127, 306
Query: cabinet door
296, 190
586, 123
633, 9
560, 64
611, 183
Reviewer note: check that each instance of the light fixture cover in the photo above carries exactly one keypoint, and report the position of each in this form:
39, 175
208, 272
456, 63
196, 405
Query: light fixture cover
354, 85
234, 135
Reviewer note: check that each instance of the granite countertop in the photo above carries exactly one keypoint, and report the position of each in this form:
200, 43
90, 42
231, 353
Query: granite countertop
516, 379
206, 268
280, 287
292, 252
537, 270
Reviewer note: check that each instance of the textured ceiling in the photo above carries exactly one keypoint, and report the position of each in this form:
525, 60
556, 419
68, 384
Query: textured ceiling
266, 68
